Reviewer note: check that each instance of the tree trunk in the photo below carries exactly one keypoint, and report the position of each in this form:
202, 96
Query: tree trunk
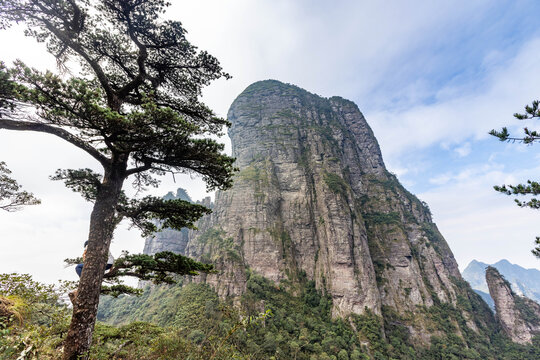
85, 306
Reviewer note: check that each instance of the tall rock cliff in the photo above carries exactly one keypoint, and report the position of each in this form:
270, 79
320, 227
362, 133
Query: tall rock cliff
518, 316
313, 200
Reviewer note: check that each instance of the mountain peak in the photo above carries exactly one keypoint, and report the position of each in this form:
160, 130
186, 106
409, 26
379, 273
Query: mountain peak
504, 262
476, 263
270, 86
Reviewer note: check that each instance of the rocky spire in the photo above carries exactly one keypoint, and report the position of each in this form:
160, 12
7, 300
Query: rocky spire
518, 316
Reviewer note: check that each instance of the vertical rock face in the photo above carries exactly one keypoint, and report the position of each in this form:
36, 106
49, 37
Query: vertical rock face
518, 316
313, 200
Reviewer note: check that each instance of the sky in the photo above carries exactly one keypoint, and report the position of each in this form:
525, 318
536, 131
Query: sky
432, 79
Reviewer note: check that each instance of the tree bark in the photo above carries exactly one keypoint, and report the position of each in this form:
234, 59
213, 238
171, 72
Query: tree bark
102, 224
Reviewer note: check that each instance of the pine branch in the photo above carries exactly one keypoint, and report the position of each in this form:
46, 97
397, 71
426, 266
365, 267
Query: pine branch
117, 290
159, 268
12, 198
62, 133
174, 214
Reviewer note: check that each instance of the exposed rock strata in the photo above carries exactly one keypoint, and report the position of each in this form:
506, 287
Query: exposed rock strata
518, 316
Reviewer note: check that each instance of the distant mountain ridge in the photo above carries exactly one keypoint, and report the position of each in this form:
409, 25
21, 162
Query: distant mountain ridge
523, 281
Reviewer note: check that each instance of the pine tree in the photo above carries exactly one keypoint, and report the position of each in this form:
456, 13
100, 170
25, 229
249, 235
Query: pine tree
531, 187
134, 108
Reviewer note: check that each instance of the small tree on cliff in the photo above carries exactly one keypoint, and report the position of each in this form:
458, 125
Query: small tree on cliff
134, 109
531, 187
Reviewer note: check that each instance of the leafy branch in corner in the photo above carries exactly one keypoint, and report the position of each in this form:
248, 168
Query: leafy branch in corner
531, 187
531, 111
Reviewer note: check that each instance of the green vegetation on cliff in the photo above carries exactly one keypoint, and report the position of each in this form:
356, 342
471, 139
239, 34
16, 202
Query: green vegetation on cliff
302, 327
287, 321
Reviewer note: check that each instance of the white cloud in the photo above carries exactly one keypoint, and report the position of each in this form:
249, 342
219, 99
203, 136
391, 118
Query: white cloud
440, 179
463, 150
465, 115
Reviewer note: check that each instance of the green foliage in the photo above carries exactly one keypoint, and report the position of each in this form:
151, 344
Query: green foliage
387, 336
119, 289
150, 214
191, 322
532, 187
336, 183
38, 317
84, 181
468, 300
12, 198
160, 267
399, 345
531, 111
210, 334
198, 323
157, 305
215, 243
508, 350
136, 104
301, 326
7, 91
36, 302
376, 218
370, 329
174, 214
526, 310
